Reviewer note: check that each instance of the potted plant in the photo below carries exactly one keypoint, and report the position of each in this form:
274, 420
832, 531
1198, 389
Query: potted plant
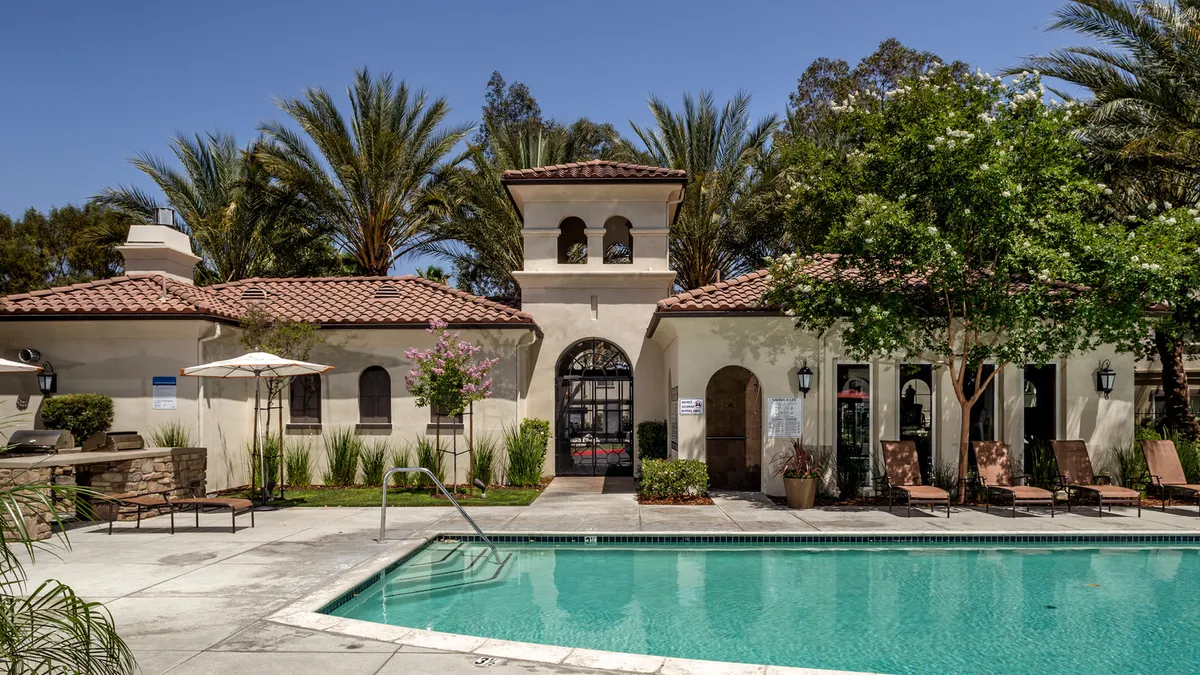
801, 472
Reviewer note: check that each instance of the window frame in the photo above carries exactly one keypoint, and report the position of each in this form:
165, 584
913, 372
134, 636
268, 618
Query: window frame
307, 404
380, 399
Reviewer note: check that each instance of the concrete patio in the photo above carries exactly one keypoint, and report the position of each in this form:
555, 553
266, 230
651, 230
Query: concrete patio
197, 601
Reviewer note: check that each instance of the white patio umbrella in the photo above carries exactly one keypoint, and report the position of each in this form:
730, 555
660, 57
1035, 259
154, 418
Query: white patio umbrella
257, 365
7, 366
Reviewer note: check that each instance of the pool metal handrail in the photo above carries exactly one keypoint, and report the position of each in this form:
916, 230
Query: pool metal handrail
407, 469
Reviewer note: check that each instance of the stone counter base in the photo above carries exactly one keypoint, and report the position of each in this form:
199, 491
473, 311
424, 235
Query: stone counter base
141, 475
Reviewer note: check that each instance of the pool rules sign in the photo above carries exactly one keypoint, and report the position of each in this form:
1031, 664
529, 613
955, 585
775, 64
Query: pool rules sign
783, 417
163, 391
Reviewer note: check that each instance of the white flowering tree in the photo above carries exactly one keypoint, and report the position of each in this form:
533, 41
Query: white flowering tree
967, 239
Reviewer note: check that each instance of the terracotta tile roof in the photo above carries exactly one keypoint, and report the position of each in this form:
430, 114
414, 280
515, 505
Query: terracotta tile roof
136, 294
737, 294
334, 300
597, 169
368, 300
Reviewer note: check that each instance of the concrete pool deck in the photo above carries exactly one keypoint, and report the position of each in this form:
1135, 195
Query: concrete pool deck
199, 601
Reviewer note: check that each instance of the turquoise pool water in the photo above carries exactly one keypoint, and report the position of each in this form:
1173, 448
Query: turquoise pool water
974, 608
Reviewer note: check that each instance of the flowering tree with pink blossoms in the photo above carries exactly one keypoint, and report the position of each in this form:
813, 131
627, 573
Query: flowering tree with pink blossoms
448, 378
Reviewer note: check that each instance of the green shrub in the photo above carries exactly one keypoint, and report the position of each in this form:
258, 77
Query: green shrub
429, 456
945, 476
270, 448
526, 448
1128, 465
401, 457
652, 440
297, 461
374, 458
485, 460
673, 478
1043, 467
343, 450
171, 434
80, 414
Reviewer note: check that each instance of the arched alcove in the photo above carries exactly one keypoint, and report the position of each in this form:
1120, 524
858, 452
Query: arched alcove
618, 241
733, 430
572, 241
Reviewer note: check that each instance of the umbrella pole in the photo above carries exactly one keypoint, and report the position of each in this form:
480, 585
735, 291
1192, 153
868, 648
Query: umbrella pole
258, 449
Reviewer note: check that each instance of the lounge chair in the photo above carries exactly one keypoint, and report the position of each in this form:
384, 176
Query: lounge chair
1076, 475
142, 503
904, 474
234, 504
1166, 472
995, 472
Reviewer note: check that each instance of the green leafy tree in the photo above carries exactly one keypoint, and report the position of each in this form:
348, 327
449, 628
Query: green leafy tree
1141, 66
263, 331
241, 225
42, 250
367, 178
969, 240
718, 147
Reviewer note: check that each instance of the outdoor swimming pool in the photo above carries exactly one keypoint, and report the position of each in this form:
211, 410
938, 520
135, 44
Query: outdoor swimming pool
888, 608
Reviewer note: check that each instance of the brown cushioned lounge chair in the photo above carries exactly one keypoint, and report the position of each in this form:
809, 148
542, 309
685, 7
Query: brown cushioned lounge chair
148, 502
1166, 472
904, 474
234, 504
995, 471
1076, 475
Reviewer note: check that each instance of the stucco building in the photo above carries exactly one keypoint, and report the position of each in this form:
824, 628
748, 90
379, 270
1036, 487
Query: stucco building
597, 343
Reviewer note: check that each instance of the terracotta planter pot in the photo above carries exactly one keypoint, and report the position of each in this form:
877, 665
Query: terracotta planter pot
801, 492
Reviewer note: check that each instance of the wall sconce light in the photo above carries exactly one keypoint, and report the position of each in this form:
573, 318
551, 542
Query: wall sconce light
1106, 377
47, 379
804, 379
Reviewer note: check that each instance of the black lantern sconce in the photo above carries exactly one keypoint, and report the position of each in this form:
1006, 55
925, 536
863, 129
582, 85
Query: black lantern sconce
47, 379
1106, 377
804, 379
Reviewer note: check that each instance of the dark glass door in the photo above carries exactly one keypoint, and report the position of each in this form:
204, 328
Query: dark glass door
983, 413
853, 427
1038, 402
916, 412
594, 428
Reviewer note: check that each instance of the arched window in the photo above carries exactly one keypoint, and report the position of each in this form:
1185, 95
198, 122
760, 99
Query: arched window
375, 396
572, 242
304, 398
618, 241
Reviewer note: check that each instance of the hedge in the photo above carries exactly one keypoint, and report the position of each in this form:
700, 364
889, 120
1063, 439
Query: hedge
673, 478
652, 440
80, 414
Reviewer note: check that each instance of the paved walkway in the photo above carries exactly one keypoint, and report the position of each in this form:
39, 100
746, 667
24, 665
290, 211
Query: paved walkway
195, 602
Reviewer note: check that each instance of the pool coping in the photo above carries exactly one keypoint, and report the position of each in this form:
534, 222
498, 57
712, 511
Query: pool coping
307, 612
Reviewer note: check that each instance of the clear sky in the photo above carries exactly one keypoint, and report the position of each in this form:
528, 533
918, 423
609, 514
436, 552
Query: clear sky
85, 85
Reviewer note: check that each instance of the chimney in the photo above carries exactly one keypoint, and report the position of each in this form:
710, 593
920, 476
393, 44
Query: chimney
161, 248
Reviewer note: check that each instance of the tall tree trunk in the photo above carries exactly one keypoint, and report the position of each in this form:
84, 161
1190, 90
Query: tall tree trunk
1177, 409
964, 447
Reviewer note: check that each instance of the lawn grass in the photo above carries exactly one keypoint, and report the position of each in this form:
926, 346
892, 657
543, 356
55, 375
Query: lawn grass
369, 496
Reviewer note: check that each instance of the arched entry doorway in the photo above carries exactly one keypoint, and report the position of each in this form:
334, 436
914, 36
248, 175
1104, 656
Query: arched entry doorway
733, 430
594, 400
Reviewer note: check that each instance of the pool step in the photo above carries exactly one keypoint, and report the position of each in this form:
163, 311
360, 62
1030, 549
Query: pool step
437, 555
486, 571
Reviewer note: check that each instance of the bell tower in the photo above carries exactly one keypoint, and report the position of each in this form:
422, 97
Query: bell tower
595, 266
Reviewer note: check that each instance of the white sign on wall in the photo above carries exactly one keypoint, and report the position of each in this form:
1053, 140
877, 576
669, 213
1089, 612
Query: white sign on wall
691, 406
163, 392
784, 418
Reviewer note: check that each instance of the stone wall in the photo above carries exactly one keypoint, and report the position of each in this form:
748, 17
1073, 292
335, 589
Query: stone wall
176, 469
37, 518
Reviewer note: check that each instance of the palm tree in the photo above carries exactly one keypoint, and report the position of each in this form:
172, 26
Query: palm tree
49, 630
369, 174
718, 148
435, 274
240, 224
1143, 122
478, 230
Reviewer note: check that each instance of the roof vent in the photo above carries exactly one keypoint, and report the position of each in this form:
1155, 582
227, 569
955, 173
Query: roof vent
388, 291
253, 293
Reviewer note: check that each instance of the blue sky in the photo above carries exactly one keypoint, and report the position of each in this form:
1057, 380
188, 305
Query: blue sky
86, 85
